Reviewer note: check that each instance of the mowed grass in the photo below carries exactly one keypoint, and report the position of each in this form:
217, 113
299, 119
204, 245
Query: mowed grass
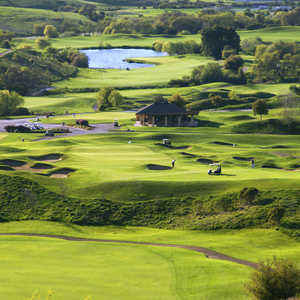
103, 160
255, 244
106, 271
168, 67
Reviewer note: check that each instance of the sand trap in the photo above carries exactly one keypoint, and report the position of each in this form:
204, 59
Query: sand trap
172, 147
279, 147
12, 162
242, 158
205, 161
41, 166
157, 167
223, 143
6, 168
47, 157
62, 172
270, 166
189, 155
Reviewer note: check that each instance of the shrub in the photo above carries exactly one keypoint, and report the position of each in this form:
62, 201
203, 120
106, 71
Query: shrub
19, 129
80, 60
22, 111
50, 31
82, 122
275, 280
248, 194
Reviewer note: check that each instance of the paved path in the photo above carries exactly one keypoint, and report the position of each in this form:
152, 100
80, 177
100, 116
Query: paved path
207, 252
97, 128
6, 52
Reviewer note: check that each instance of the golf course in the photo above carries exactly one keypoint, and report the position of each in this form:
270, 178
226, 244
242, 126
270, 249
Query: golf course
100, 200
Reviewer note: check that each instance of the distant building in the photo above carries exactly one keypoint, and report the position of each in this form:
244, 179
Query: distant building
165, 114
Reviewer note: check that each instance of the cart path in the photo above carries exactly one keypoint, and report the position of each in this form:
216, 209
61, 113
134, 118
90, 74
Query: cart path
207, 252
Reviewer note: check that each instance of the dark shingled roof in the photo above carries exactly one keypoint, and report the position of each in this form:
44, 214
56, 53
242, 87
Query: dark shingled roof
161, 108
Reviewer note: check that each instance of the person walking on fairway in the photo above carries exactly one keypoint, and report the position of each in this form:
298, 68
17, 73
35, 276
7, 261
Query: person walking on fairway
252, 163
173, 163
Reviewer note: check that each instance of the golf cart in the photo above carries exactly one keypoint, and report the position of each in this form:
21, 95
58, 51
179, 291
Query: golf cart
216, 170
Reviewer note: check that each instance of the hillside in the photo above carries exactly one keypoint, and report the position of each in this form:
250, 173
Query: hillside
21, 20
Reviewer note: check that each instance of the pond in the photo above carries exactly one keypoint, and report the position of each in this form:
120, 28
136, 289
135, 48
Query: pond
116, 58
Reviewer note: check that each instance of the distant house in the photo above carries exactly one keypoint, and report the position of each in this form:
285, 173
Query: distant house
165, 114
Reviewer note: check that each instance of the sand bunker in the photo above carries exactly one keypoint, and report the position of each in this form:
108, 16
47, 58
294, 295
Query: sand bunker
47, 157
279, 147
41, 166
222, 143
62, 172
172, 147
157, 167
12, 162
242, 158
270, 166
6, 168
205, 161
188, 155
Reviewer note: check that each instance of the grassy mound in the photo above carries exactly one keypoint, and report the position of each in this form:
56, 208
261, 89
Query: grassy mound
26, 199
21, 20
270, 126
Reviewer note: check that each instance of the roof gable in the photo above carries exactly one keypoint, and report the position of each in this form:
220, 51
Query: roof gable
161, 108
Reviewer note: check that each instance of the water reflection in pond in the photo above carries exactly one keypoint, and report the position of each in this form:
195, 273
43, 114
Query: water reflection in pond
115, 58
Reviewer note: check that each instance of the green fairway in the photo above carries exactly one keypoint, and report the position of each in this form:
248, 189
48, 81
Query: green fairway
169, 67
75, 270
132, 271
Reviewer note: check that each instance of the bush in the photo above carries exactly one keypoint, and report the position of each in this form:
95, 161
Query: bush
22, 111
19, 129
248, 194
82, 122
275, 280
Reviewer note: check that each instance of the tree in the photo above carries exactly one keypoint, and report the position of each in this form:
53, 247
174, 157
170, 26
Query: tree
274, 280
115, 98
80, 60
233, 63
108, 97
178, 100
38, 29
216, 38
42, 43
259, 107
216, 100
9, 102
50, 32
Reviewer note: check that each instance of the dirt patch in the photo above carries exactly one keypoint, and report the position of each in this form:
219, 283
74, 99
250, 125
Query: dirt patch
62, 172
223, 143
12, 162
242, 158
157, 167
47, 157
188, 155
205, 161
172, 147
42, 166
6, 168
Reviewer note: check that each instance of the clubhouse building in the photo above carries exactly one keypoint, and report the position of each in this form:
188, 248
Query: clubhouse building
165, 114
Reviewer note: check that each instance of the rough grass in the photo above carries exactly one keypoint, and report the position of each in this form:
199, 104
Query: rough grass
21, 20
